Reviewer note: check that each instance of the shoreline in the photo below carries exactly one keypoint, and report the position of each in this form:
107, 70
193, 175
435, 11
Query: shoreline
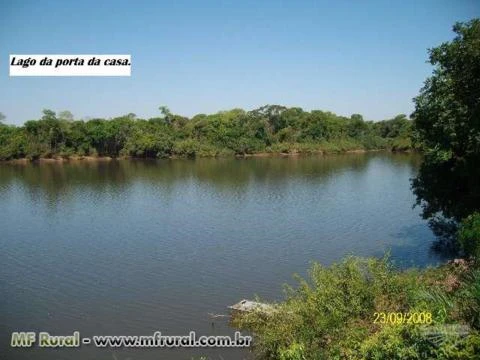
77, 158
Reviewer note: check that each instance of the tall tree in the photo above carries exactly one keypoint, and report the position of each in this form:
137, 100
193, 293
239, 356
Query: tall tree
166, 114
65, 115
447, 123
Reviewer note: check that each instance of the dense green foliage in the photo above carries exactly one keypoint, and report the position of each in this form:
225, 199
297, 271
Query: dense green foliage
332, 316
267, 129
469, 235
447, 124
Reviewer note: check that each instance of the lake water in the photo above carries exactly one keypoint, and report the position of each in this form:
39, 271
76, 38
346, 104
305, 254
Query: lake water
131, 247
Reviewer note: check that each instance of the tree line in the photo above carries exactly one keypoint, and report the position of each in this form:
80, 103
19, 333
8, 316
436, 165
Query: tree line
270, 128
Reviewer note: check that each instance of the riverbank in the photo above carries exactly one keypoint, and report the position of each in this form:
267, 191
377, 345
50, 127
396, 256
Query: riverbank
75, 158
366, 309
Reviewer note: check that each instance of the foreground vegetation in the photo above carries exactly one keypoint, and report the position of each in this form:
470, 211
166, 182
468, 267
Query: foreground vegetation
332, 315
272, 128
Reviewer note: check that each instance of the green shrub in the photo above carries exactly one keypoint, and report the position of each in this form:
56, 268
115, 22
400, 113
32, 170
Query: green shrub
294, 352
331, 315
469, 235
186, 148
401, 144
470, 295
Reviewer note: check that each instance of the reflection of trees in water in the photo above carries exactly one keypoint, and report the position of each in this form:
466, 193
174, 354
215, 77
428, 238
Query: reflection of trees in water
241, 172
448, 192
404, 251
52, 182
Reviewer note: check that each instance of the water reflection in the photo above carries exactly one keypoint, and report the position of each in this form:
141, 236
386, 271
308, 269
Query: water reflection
53, 181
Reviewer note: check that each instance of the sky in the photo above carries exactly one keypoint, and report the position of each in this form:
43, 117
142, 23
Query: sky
366, 57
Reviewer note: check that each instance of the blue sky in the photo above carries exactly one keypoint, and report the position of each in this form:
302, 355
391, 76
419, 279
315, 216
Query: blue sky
366, 57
